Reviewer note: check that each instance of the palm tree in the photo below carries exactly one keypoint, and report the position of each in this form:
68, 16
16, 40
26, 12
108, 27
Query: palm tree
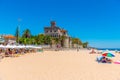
26, 34
17, 34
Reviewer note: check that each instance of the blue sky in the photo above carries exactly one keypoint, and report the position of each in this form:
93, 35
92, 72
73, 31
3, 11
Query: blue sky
95, 21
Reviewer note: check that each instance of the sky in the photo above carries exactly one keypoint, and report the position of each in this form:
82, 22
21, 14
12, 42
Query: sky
94, 21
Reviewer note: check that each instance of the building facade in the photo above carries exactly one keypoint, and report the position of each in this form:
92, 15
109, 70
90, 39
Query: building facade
54, 31
7, 39
57, 32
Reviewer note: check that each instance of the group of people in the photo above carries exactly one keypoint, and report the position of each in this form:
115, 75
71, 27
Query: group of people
103, 59
14, 52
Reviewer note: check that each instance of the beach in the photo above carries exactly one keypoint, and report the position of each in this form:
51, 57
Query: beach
58, 65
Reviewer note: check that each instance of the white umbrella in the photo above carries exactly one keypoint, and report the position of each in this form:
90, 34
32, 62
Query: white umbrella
8, 46
14, 46
28, 46
11, 46
39, 47
22, 46
1, 46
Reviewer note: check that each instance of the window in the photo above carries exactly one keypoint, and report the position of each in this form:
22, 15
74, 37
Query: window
46, 31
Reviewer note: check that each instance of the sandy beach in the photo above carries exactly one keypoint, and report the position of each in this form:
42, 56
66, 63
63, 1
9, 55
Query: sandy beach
58, 65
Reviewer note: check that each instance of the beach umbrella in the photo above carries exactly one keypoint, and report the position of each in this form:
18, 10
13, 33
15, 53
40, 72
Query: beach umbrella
29, 46
1, 46
21, 46
14, 46
8, 46
108, 54
38, 47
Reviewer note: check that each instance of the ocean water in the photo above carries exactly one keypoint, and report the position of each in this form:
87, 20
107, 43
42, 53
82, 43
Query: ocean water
111, 49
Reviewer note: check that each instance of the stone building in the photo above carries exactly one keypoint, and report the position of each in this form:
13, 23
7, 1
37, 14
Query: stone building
55, 31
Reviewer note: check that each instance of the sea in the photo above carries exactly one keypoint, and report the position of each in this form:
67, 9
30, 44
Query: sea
111, 49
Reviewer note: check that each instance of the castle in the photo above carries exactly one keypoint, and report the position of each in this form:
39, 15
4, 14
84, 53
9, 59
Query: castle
57, 32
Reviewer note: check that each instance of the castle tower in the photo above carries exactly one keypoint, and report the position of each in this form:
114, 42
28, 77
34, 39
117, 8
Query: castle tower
53, 24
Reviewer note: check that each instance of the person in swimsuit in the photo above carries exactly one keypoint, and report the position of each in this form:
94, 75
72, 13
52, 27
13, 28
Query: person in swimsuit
104, 60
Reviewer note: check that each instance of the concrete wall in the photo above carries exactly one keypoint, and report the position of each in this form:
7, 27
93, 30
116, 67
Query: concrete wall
66, 43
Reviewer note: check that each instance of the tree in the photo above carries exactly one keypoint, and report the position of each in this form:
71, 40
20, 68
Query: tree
26, 34
76, 41
40, 39
62, 40
32, 40
47, 40
23, 41
56, 40
17, 34
85, 44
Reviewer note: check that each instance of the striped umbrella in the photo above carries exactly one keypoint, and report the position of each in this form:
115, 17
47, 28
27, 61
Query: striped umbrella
108, 54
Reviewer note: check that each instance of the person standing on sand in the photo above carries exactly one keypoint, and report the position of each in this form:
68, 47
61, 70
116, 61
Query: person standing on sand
77, 49
92, 51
